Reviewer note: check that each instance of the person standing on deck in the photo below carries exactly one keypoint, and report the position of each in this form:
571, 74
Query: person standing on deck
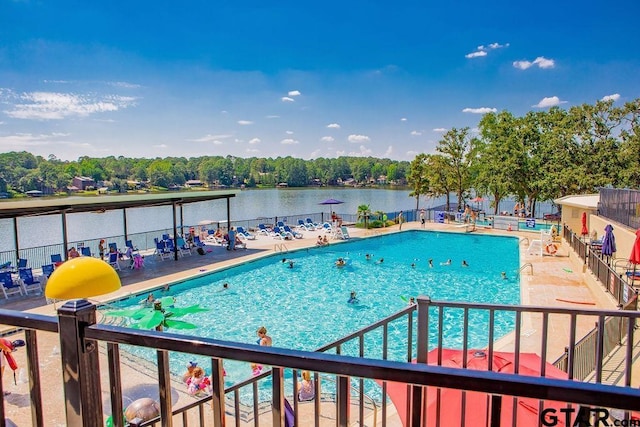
422, 218
400, 220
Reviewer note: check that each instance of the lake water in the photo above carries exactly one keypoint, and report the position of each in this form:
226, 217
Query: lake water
248, 204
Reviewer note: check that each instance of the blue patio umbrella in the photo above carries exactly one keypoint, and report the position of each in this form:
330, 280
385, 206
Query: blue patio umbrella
331, 202
608, 242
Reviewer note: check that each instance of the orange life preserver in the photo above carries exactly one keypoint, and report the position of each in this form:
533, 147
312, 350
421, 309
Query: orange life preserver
551, 248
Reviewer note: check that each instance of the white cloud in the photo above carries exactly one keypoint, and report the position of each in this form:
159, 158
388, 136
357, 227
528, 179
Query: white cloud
389, 151
254, 141
289, 141
272, 117
497, 45
614, 97
327, 139
547, 102
125, 85
333, 126
364, 151
540, 61
315, 154
12, 142
245, 122
294, 93
439, 129
481, 110
415, 133
358, 138
476, 54
57, 106
404, 119
211, 138
287, 99
161, 146
288, 132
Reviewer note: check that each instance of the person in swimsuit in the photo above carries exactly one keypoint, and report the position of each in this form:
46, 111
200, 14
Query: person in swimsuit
263, 338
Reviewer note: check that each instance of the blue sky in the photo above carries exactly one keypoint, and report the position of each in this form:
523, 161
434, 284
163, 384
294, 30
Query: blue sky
306, 79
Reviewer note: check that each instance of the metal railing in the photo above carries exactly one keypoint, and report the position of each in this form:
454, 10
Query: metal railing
80, 337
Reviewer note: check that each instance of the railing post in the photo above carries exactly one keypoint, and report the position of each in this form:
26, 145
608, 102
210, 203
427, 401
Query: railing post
80, 367
422, 350
277, 397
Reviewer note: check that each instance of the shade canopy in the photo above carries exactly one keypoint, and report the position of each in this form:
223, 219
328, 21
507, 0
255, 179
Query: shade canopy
82, 277
608, 241
445, 409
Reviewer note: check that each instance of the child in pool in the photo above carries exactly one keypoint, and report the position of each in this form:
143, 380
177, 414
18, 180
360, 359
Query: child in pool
353, 298
199, 382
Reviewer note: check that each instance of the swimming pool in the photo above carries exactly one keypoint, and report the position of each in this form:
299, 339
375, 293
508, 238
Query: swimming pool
306, 307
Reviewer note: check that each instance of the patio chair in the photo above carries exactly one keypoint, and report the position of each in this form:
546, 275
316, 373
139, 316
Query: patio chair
183, 247
56, 259
312, 225
85, 251
5, 266
47, 269
245, 233
113, 247
294, 233
197, 242
161, 250
263, 229
303, 226
113, 260
22, 263
28, 281
9, 287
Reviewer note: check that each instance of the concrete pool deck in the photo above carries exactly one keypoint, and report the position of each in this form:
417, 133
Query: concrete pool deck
555, 281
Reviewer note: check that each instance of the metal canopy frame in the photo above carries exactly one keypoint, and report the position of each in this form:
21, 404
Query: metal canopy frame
37, 207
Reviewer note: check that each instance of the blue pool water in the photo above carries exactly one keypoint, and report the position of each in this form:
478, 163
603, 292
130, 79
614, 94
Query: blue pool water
306, 307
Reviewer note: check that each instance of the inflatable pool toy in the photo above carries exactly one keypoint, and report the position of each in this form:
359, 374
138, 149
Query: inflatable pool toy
145, 409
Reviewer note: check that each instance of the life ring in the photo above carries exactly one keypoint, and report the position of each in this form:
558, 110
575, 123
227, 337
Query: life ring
551, 248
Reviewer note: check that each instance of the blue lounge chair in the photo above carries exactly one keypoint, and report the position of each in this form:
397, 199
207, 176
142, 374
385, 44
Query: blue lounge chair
9, 287
278, 233
161, 250
85, 250
197, 242
264, 230
294, 233
47, 269
22, 263
129, 245
303, 226
310, 223
28, 281
113, 260
56, 259
183, 248
245, 233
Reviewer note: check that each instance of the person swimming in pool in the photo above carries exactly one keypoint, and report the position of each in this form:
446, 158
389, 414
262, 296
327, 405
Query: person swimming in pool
447, 262
340, 262
380, 261
290, 264
368, 257
430, 262
464, 263
263, 338
504, 275
353, 298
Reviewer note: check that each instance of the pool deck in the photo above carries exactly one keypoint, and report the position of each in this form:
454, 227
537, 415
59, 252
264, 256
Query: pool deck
554, 281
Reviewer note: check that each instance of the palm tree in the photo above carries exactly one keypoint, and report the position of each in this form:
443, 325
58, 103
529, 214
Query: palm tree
363, 214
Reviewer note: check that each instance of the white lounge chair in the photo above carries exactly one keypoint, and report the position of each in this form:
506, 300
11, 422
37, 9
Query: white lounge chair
241, 231
29, 283
9, 287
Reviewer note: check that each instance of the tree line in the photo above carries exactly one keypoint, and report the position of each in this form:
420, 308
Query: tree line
540, 156
21, 171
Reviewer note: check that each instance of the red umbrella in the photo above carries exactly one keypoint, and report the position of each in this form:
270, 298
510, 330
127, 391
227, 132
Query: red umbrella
585, 230
634, 258
476, 405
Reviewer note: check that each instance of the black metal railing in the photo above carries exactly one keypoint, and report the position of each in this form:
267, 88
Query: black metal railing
80, 338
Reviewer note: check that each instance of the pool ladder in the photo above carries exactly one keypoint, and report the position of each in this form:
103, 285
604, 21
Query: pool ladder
528, 264
280, 247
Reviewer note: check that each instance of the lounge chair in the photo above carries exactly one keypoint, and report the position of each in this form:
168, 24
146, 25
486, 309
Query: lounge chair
279, 233
327, 227
56, 259
85, 251
47, 269
197, 242
342, 233
22, 263
303, 226
129, 244
245, 233
5, 266
263, 229
310, 223
9, 287
113, 260
294, 233
161, 250
28, 281
183, 247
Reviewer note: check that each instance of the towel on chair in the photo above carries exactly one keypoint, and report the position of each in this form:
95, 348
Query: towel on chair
138, 262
